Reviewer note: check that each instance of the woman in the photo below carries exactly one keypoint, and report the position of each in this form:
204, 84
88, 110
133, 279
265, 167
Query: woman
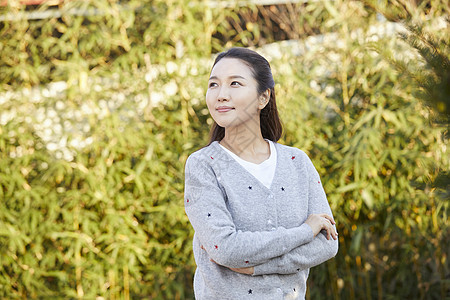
257, 207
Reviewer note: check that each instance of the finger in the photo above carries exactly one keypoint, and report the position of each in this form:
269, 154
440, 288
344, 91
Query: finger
326, 224
334, 233
331, 233
247, 270
329, 218
328, 221
328, 233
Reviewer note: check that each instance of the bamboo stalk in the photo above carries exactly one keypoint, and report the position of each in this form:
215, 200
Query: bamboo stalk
112, 284
126, 283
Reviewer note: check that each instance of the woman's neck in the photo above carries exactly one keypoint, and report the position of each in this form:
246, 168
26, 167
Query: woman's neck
248, 145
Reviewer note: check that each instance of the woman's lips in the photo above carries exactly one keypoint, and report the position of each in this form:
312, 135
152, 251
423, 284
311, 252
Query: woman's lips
224, 108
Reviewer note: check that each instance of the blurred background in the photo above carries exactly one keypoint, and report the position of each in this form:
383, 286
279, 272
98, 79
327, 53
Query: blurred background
102, 101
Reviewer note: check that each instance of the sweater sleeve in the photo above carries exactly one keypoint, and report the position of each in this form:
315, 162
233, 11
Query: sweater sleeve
319, 249
206, 208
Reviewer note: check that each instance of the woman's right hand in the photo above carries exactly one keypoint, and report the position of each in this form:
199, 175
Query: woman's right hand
319, 222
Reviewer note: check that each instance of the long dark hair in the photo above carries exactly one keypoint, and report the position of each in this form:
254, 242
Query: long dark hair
270, 122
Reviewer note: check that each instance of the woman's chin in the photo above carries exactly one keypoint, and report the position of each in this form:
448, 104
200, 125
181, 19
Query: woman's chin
222, 123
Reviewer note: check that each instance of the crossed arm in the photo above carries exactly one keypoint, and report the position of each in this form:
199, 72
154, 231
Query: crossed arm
281, 251
325, 243
308, 255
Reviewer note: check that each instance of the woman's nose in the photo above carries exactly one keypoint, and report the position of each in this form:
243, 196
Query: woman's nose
224, 94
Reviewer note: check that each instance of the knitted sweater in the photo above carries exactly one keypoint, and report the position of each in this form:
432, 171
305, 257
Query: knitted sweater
239, 222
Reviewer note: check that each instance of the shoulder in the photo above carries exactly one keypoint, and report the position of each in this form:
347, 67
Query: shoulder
295, 152
203, 157
300, 159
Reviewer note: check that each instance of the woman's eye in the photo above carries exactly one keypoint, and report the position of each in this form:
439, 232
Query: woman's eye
212, 84
235, 83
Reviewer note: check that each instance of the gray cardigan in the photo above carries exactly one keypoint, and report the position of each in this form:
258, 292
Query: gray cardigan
241, 223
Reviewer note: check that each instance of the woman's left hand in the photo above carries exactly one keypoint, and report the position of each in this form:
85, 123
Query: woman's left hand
246, 270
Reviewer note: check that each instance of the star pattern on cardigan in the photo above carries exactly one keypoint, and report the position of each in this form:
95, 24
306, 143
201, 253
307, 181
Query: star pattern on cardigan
198, 197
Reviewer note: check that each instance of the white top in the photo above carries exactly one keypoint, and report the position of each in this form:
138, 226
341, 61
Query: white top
264, 171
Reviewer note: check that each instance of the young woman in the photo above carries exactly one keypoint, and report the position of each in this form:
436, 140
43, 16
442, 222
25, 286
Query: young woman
260, 214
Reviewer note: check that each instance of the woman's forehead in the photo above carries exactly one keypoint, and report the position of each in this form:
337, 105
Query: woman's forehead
229, 67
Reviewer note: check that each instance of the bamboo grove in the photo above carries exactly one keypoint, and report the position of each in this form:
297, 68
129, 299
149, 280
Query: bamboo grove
102, 101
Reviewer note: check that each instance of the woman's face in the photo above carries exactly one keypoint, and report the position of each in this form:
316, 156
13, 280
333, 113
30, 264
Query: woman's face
232, 95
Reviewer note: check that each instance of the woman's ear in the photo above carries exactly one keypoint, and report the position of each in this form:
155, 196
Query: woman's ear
264, 99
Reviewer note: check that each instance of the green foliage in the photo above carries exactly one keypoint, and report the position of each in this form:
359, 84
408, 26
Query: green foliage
107, 220
101, 36
427, 33
91, 164
379, 159
371, 152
